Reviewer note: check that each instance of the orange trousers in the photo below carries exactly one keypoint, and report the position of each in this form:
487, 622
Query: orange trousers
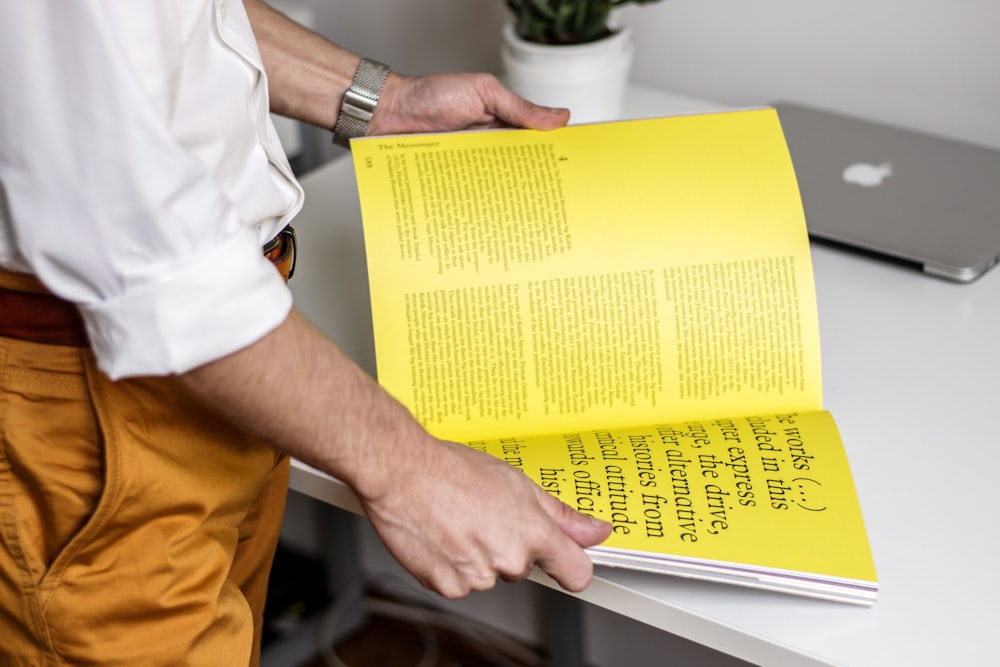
136, 526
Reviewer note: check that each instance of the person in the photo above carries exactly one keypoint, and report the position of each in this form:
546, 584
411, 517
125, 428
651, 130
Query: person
154, 373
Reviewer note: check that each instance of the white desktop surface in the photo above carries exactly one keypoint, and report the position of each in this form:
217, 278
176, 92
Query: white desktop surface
911, 366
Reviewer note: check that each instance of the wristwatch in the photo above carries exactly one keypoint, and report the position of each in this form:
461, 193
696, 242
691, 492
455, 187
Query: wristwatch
359, 101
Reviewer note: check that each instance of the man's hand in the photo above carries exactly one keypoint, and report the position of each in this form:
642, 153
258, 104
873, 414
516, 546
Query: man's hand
458, 519
444, 102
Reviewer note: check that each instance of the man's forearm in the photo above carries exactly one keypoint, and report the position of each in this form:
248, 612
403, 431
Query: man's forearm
307, 73
298, 391
454, 517
308, 76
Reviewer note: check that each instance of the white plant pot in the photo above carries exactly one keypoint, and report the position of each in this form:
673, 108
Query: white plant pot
588, 79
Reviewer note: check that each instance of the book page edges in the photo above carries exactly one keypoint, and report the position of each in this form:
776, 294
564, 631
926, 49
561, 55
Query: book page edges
825, 587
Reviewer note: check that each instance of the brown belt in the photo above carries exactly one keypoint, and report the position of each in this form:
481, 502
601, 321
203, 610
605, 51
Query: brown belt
30, 312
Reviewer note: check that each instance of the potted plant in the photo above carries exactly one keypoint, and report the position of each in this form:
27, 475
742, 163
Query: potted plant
565, 21
569, 53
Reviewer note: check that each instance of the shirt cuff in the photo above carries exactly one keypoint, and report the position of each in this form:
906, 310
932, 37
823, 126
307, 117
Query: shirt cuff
170, 322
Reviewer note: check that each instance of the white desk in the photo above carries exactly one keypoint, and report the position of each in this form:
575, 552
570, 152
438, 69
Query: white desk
911, 372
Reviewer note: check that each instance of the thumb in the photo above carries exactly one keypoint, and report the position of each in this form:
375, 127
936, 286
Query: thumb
516, 111
585, 530
537, 117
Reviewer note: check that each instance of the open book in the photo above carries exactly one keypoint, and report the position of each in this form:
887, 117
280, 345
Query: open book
626, 312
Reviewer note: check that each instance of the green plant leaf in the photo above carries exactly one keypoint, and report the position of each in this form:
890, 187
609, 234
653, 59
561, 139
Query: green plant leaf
564, 21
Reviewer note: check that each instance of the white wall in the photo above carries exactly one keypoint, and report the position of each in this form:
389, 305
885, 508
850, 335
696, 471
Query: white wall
926, 64
416, 36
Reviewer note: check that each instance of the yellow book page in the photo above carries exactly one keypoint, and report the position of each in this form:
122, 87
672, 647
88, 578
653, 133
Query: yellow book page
596, 275
773, 491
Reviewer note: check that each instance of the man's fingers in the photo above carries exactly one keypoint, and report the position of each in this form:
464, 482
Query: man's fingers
436, 532
567, 563
544, 118
583, 529
516, 111
563, 557
522, 113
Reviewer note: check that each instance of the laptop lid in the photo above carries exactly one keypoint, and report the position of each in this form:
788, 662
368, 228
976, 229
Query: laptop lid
928, 201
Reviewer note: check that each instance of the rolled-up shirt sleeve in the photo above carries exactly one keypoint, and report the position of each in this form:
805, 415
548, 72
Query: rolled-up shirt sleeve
140, 174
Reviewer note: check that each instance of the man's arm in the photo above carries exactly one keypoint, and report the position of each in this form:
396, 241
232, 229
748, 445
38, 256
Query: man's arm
308, 74
455, 518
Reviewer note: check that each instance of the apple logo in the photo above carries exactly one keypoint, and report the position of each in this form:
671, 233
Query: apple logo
867, 175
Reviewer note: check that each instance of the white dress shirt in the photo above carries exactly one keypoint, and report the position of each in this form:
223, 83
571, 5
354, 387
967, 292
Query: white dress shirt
140, 174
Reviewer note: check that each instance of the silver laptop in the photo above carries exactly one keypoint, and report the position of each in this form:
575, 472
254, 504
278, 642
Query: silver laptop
923, 200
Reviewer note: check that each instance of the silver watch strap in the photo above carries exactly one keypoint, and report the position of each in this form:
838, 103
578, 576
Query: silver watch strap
360, 101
